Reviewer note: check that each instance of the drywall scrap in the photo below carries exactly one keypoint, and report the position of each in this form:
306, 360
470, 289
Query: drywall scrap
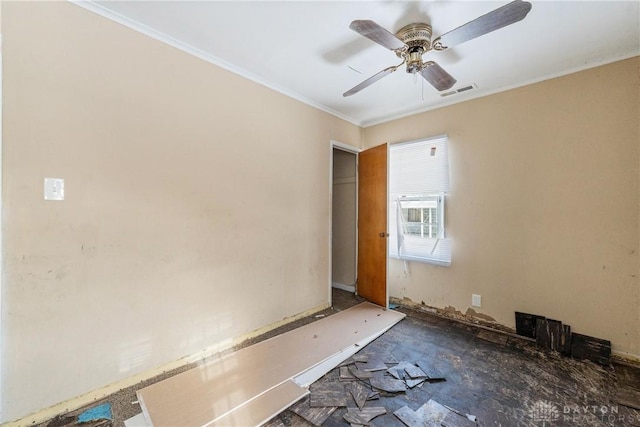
253, 384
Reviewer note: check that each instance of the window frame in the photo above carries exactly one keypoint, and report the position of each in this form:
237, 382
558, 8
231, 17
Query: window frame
440, 197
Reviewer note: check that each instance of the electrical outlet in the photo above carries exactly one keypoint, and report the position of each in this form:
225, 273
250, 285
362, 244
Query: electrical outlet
476, 300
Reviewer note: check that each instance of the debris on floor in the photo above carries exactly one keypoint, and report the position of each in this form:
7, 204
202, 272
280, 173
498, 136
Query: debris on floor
492, 381
433, 374
554, 335
372, 364
328, 394
595, 349
526, 324
97, 413
456, 420
387, 383
404, 369
315, 415
359, 374
345, 374
361, 417
356, 383
96, 416
360, 393
548, 333
433, 413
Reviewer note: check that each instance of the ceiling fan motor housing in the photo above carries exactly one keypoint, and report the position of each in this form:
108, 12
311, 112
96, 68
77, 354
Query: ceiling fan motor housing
417, 37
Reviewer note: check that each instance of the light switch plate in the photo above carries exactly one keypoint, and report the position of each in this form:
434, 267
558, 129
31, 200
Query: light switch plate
476, 300
53, 189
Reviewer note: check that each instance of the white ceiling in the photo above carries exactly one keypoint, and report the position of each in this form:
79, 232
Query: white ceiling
306, 50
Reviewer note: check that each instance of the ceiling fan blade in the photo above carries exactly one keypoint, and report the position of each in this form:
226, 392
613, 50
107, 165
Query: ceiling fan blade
437, 76
376, 33
371, 80
506, 15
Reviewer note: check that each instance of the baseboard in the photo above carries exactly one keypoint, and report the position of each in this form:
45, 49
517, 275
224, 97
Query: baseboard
620, 356
95, 395
633, 359
348, 288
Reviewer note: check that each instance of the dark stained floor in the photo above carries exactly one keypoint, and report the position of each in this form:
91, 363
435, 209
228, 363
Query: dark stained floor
507, 381
501, 379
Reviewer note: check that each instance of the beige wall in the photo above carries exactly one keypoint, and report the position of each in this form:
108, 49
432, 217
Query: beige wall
343, 263
197, 204
543, 208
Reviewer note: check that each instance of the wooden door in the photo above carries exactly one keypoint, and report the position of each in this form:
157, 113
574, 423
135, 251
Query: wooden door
372, 225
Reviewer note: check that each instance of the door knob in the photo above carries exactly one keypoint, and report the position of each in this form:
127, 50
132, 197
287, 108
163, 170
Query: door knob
383, 235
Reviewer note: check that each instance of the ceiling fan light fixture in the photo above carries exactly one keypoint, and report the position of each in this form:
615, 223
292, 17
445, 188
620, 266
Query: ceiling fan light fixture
414, 62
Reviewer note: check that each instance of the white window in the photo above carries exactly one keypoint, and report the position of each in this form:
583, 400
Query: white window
418, 185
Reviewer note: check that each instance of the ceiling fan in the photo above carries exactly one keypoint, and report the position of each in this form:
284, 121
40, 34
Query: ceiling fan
412, 41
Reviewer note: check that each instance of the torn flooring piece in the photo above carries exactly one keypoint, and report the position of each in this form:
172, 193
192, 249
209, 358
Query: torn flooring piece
328, 394
405, 370
361, 375
430, 414
387, 383
346, 375
360, 393
456, 420
373, 363
433, 374
363, 416
315, 415
355, 358
414, 383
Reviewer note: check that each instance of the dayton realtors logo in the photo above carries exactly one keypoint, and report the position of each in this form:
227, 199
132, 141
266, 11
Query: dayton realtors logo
587, 414
544, 412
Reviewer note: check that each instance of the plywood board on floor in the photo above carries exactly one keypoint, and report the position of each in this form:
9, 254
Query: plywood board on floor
204, 394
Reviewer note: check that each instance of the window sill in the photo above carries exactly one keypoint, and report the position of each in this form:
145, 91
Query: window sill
423, 260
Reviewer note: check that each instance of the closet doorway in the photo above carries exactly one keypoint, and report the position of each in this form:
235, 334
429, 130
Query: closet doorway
344, 217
